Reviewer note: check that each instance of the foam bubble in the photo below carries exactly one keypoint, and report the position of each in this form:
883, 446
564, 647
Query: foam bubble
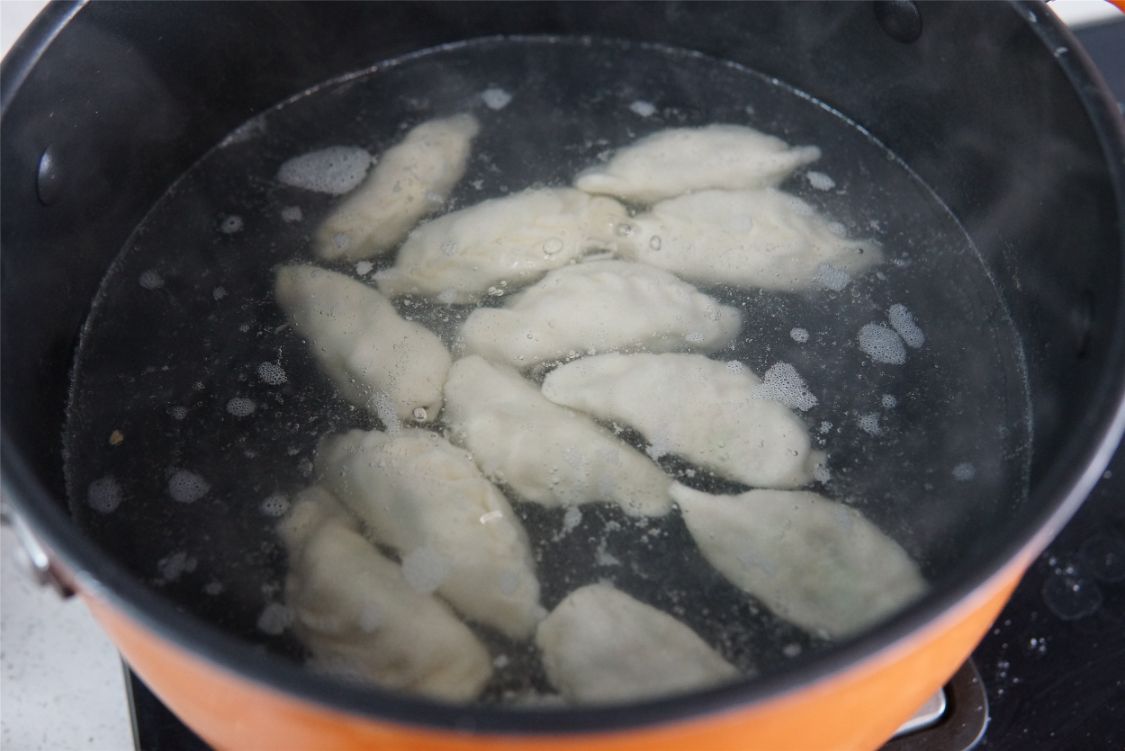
425, 569
177, 413
903, 322
335, 170
292, 214
889, 401
272, 374
782, 383
799, 335
881, 344
187, 487
964, 472
231, 224
151, 280
869, 423
831, 277
104, 495
820, 181
240, 406
275, 505
219, 293
174, 566
274, 619
495, 98
643, 108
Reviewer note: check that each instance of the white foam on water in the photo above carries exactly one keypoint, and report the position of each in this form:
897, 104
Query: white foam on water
902, 321
274, 619
240, 406
869, 423
187, 487
491, 516
271, 374
964, 472
335, 170
495, 98
882, 344
104, 495
889, 401
363, 268
231, 224
370, 618
799, 335
820, 181
174, 566
151, 280
831, 277
643, 108
177, 413
292, 214
782, 383
275, 505
425, 569
571, 519
219, 293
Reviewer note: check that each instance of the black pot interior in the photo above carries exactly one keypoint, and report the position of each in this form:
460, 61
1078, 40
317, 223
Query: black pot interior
128, 96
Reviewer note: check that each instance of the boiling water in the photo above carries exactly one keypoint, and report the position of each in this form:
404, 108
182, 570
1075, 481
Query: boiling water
196, 409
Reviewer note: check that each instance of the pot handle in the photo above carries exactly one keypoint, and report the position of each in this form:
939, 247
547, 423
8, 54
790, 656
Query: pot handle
32, 557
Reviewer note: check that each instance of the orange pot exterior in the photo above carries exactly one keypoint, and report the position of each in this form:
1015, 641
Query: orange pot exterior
858, 708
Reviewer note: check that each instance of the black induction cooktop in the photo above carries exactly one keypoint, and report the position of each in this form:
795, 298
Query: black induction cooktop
1050, 676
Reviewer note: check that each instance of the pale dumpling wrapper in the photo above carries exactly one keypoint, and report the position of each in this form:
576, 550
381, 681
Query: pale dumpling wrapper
814, 562
600, 306
357, 615
455, 532
676, 161
393, 367
503, 243
410, 180
710, 413
600, 645
757, 239
547, 454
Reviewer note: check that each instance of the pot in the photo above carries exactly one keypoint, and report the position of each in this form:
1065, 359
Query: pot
993, 105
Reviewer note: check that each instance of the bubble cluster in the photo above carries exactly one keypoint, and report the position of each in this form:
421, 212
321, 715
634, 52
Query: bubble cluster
187, 487
104, 495
495, 98
882, 344
271, 374
643, 108
903, 322
831, 277
240, 406
782, 383
335, 170
820, 181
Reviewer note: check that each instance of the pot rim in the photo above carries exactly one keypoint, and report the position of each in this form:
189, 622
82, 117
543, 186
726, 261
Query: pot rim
1073, 474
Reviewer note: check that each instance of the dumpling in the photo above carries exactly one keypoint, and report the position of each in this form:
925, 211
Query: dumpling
707, 412
548, 454
600, 306
358, 616
377, 360
601, 645
752, 238
817, 563
512, 240
454, 531
410, 180
682, 160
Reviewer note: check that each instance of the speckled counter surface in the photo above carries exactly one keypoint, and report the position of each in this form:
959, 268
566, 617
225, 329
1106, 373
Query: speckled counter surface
62, 685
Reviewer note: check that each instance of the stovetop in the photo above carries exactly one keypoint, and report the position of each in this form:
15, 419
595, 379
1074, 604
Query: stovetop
1051, 671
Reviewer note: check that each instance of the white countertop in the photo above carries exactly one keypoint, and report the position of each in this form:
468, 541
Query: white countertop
62, 685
